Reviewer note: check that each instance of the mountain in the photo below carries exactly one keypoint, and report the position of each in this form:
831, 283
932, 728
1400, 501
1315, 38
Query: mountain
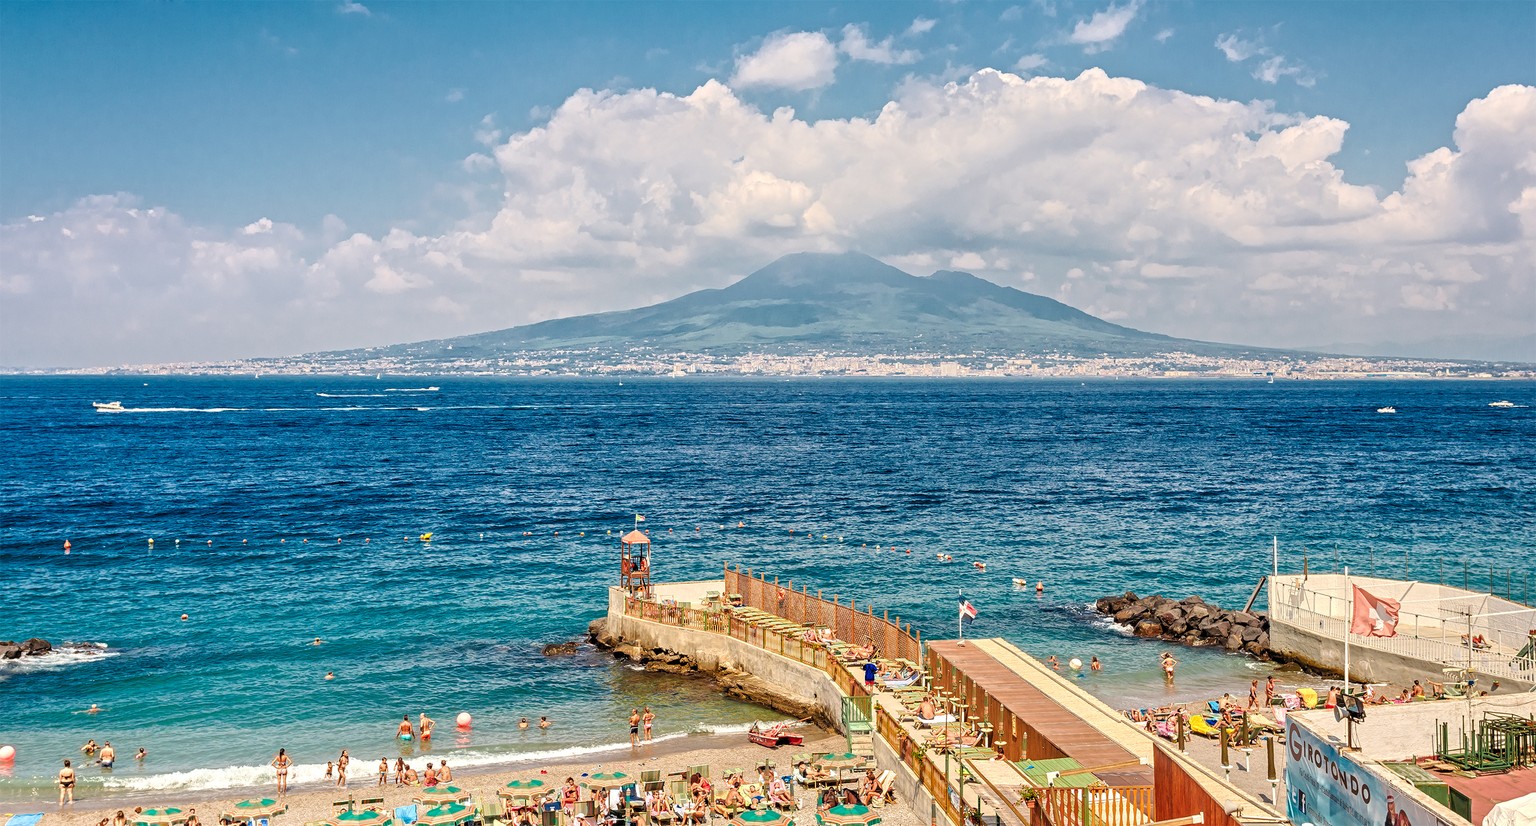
848, 303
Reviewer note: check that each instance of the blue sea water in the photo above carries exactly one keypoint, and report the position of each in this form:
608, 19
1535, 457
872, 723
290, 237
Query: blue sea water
298, 503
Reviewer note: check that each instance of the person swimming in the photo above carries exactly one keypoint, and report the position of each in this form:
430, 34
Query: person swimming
544, 722
522, 723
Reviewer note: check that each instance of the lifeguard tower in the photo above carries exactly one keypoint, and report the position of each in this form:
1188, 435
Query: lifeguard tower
635, 564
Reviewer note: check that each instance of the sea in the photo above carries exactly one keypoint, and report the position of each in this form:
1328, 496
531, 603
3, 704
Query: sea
271, 511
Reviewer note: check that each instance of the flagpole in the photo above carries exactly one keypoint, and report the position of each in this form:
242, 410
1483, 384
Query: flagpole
960, 618
1349, 618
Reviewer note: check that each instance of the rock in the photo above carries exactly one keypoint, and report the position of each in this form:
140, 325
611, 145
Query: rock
10, 651
1125, 615
561, 648
1149, 629
1218, 629
1243, 618
35, 646
1234, 642
1198, 612
1251, 633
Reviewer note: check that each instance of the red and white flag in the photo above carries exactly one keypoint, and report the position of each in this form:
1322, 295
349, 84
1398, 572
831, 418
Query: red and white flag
1374, 616
967, 610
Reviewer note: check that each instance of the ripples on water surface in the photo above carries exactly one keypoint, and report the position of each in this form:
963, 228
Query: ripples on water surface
1095, 488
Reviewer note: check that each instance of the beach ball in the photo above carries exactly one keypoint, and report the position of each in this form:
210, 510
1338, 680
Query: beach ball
1076, 664
7, 754
464, 719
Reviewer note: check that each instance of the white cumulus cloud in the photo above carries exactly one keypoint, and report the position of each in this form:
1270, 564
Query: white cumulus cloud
857, 45
796, 61
921, 25
1100, 31
1181, 213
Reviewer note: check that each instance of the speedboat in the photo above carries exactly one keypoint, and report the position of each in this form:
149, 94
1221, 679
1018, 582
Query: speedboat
1388, 409
108, 407
1505, 403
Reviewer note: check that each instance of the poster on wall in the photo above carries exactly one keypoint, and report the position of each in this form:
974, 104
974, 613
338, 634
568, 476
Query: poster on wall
1326, 788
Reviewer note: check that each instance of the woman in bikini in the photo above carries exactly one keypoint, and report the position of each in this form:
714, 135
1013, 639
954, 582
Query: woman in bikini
66, 784
341, 768
569, 796
282, 762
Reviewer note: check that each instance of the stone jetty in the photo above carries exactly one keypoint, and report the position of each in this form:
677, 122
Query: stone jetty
733, 682
1189, 621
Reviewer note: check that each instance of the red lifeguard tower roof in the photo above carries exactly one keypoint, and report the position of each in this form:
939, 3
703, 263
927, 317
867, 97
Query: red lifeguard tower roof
635, 537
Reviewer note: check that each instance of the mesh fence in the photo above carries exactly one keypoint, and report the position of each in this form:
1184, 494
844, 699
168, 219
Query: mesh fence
849, 622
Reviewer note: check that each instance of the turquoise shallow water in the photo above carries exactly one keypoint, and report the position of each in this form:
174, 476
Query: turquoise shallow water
1096, 487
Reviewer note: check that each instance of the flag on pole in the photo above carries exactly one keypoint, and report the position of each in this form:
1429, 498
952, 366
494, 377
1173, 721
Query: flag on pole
639, 518
1374, 616
967, 610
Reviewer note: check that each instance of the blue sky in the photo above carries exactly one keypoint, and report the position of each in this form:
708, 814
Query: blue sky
398, 120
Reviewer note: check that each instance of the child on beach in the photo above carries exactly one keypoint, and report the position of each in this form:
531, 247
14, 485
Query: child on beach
330, 770
399, 771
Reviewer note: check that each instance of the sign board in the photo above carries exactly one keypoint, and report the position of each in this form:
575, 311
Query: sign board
1326, 788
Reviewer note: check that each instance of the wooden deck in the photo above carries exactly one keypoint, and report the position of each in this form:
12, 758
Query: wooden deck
1056, 723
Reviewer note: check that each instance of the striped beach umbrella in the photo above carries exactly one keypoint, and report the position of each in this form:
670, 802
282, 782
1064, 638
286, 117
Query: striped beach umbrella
524, 790
606, 780
364, 817
846, 760
246, 809
761, 817
160, 817
848, 816
433, 795
448, 814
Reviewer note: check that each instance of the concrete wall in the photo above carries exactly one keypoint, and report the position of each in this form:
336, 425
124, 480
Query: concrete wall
710, 651
909, 790
1326, 653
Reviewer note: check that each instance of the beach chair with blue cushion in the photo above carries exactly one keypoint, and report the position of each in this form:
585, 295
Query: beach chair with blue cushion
406, 814
29, 819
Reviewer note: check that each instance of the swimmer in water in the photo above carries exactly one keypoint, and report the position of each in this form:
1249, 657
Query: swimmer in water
94, 709
425, 725
316, 642
1040, 587
1096, 665
522, 723
544, 722
141, 755
330, 675
405, 727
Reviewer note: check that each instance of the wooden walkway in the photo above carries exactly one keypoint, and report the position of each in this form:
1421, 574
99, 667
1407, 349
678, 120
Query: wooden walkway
1078, 728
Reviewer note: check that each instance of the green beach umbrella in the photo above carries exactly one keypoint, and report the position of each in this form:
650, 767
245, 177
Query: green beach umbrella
160, 817
761, 817
605, 780
264, 807
442, 794
848, 816
365, 817
846, 760
447, 814
522, 789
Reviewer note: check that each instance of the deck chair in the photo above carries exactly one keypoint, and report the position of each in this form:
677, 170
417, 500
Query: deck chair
405, 814
371, 802
490, 810
341, 805
650, 781
1214, 706
887, 781
702, 770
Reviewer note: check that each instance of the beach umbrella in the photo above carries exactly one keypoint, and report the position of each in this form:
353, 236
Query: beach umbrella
606, 780
846, 760
442, 794
160, 817
761, 817
365, 817
246, 809
524, 790
447, 814
848, 816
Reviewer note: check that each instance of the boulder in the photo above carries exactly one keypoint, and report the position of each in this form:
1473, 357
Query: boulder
1217, 630
1125, 616
10, 651
36, 646
1233, 642
1149, 629
556, 649
1198, 612
1243, 618
1251, 633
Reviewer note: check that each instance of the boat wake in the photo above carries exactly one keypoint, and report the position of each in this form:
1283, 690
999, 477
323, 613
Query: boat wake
351, 395
432, 389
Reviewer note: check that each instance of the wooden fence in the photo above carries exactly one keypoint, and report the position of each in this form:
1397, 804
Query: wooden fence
850, 623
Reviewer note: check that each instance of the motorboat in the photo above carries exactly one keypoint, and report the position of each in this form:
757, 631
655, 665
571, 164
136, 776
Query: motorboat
1504, 403
108, 407
773, 736
1387, 409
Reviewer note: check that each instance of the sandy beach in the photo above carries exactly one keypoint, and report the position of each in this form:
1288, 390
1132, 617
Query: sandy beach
313, 801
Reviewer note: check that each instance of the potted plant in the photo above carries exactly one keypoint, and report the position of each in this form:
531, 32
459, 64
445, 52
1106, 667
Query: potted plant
1029, 797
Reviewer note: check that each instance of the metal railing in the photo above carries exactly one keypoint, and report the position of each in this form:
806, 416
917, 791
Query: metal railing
1443, 638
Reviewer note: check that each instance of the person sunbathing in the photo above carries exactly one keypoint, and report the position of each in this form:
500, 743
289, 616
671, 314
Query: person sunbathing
928, 709
869, 788
779, 795
730, 802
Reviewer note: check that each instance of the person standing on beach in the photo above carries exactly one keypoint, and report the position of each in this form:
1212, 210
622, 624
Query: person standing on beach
649, 719
383, 771
1269, 691
66, 784
282, 762
1253, 695
634, 726
399, 771
341, 768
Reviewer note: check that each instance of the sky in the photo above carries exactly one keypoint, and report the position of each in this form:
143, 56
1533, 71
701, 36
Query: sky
199, 181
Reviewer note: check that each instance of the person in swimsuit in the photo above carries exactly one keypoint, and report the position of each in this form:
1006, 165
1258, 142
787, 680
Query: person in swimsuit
569, 796
192, 819
429, 777
1169, 664
399, 771
341, 768
648, 718
1269, 690
66, 784
634, 726
108, 755
543, 722
522, 723
444, 774
90, 748
1096, 666
281, 762
1253, 695
425, 726
141, 755
383, 771
405, 727
121, 819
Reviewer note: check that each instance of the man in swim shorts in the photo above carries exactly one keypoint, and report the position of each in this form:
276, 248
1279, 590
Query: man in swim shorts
108, 755
634, 726
66, 784
405, 727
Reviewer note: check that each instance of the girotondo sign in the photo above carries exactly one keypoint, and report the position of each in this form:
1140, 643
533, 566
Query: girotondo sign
1326, 788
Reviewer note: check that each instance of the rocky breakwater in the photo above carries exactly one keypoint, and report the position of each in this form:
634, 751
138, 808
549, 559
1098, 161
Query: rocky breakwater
1189, 621
733, 681
28, 648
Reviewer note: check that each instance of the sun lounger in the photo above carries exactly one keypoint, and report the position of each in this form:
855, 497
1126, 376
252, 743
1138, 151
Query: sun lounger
341, 805
28, 819
930, 722
1308, 697
1203, 726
